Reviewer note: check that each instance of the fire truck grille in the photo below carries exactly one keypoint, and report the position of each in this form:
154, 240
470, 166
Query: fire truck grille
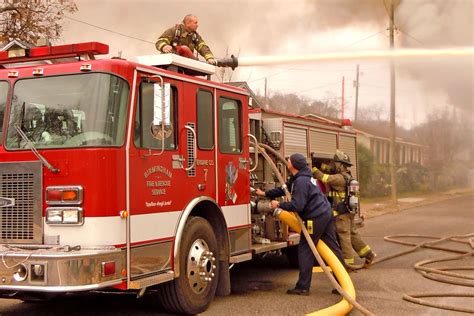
20, 202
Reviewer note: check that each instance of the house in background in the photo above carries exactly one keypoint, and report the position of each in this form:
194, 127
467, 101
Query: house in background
374, 137
253, 101
13, 46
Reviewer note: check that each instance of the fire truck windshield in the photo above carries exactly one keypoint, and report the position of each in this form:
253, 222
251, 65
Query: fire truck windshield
81, 110
3, 100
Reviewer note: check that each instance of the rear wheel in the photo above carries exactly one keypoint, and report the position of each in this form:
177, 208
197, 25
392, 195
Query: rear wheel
194, 289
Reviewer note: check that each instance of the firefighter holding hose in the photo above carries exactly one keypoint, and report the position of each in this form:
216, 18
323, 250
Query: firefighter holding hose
183, 39
344, 213
314, 209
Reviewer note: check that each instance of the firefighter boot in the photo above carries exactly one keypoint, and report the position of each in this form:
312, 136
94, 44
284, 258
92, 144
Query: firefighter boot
369, 258
297, 291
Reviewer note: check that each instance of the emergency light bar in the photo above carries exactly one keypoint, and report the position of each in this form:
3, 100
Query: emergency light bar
53, 52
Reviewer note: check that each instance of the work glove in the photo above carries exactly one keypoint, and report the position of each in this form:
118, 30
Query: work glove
274, 204
324, 167
260, 193
212, 61
167, 49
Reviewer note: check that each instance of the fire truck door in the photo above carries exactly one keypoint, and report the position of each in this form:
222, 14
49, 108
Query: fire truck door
155, 174
233, 159
197, 140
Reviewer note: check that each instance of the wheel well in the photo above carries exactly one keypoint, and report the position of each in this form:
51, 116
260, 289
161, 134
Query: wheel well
207, 209
212, 213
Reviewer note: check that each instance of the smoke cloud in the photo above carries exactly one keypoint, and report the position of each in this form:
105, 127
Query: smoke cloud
440, 24
263, 27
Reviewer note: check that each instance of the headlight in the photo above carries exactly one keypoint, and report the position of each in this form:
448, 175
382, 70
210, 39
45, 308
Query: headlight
71, 216
54, 216
64, 216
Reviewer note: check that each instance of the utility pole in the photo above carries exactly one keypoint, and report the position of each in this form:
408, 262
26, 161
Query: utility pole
342, 107
266, 91
356, 85
393, 176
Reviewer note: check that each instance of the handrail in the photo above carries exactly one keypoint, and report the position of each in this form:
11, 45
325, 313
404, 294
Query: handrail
256, 151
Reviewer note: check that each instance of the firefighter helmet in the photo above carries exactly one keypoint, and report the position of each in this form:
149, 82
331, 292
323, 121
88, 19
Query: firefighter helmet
342, 157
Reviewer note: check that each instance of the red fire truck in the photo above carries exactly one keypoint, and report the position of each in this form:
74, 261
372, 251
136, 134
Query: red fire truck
127, 174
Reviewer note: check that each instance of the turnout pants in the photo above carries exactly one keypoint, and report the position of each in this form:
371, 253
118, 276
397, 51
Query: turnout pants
323, 228
349, 238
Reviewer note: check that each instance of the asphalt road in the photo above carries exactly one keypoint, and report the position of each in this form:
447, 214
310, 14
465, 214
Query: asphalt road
258, 287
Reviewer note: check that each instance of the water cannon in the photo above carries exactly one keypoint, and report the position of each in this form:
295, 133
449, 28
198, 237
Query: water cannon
231, 62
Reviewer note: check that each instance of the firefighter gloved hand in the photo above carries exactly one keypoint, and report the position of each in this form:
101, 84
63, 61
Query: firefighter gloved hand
274, 204
260, 193
167, 49
212, 61
325, 167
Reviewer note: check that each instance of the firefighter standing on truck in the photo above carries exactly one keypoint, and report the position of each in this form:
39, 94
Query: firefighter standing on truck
181, 37
349, 237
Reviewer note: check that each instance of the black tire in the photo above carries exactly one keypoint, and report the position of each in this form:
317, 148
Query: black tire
292, 256
195, 288
37, 297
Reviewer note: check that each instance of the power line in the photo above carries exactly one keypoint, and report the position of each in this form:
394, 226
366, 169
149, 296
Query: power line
365, 38
419, 42
318, 87
107, 30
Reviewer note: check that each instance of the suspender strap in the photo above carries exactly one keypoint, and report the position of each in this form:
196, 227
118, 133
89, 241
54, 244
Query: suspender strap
177, 35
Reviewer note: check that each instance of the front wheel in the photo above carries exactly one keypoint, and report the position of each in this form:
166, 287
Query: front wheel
194, 289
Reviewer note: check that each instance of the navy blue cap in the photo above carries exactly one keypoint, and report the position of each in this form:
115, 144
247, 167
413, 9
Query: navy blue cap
298, 161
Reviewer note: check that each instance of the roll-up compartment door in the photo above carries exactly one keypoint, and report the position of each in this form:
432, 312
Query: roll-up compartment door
348, 145
322, 143
295, 141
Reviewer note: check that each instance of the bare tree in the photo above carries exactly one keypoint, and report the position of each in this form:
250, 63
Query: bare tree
29, 20
442, 132
448, 135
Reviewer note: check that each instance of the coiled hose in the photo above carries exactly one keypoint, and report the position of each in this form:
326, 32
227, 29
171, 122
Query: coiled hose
439, 274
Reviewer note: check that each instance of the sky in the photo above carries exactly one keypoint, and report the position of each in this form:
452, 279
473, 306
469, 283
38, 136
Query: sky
301, 27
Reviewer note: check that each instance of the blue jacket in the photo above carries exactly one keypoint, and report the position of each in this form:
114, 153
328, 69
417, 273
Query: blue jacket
306, 197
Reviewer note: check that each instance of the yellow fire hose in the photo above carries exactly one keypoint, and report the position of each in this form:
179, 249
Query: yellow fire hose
440, 274
346, 289
343, 307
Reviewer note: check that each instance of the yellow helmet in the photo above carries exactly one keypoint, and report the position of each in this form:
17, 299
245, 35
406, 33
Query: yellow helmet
342, 157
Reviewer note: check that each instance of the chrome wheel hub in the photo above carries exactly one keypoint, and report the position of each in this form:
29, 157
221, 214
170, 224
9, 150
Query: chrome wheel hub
200, 266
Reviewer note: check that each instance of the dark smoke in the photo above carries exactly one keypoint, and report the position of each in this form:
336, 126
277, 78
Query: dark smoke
440, 24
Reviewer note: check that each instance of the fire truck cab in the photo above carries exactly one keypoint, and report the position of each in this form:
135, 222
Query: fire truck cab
126, 174
115, 173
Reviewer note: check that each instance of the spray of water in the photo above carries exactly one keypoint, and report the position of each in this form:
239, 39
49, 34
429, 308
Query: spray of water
374, 54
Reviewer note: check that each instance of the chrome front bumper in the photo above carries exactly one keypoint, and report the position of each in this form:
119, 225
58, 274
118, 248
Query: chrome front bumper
59, 269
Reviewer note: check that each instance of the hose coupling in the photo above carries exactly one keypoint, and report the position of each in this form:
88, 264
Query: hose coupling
277, 212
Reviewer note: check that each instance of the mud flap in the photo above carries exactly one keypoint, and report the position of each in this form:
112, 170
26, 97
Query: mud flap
223, 287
